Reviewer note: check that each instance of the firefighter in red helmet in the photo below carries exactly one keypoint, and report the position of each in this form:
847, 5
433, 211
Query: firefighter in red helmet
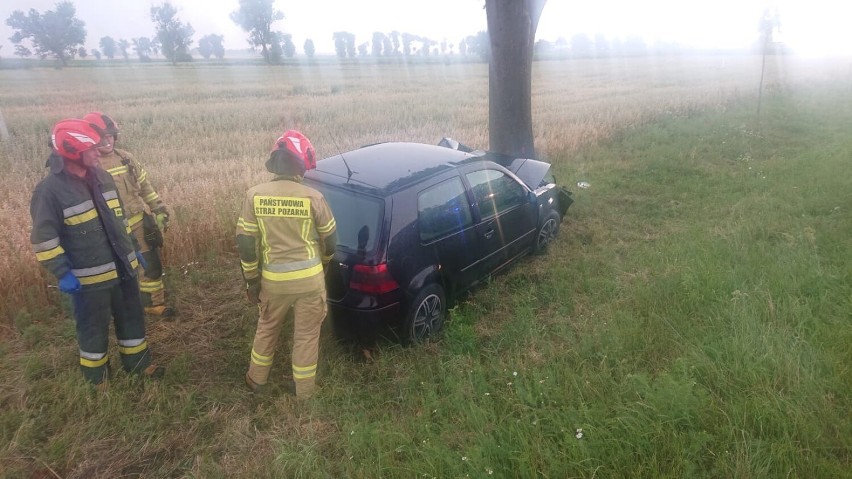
80, 235
286, 234
147, 214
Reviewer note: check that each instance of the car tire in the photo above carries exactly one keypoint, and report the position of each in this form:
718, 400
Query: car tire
425, 316
547, 231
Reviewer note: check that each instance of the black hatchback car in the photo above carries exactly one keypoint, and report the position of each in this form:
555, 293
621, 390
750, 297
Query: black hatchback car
420, 224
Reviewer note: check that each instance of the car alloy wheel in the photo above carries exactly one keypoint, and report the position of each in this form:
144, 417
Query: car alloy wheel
427, 314
547, 232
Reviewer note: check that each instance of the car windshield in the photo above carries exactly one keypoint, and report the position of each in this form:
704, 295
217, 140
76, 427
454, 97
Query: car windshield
357, 217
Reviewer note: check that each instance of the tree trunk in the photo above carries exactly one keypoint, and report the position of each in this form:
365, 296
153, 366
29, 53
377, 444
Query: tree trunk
511, 28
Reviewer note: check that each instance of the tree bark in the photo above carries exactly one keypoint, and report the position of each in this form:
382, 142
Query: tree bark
511, 28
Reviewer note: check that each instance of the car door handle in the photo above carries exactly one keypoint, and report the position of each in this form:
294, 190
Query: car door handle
489, 234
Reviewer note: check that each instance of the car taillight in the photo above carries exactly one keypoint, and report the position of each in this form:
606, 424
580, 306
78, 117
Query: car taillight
372, 279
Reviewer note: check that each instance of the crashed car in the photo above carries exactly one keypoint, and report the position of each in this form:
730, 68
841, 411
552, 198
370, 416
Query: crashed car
419, 225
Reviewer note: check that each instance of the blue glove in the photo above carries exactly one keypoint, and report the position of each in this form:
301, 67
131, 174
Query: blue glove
141, 259
69, 283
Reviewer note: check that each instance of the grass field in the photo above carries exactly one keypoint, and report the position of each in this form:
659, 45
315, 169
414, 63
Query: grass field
692, 320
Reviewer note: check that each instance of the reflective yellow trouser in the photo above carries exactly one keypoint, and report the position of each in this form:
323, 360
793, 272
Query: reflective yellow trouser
309, 313
153, 290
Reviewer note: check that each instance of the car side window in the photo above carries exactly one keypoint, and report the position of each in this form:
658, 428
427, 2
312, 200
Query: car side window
443, 209
494, 191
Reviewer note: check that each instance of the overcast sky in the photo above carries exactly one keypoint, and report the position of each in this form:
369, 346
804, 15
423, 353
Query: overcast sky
808, 26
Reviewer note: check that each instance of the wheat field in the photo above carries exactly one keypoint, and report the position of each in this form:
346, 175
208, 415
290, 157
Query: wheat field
691, 320
203, 131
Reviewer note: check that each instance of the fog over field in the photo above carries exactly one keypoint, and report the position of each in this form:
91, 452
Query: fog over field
813, 28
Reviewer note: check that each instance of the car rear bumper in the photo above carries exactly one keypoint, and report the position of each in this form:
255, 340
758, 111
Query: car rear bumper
359, 317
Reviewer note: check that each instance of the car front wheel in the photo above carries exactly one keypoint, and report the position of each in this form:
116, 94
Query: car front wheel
547, 232
426, 315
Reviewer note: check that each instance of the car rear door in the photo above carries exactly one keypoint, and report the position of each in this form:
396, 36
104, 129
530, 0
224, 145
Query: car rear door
506, 217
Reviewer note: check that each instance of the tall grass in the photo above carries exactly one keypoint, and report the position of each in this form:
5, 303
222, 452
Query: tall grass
692, 320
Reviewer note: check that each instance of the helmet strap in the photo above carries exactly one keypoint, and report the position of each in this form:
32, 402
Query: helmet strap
74, 167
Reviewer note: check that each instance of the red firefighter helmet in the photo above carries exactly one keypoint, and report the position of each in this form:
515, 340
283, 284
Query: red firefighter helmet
103, 122
299, 146
70, 138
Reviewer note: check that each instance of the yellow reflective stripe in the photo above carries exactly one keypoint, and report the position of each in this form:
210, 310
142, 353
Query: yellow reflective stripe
249, 266
150, 286
300, 372
291, 275
143, 175
326, 259
265, 248
151, 197
327, 228
113, 204
94, 364
49, 254
118, 170
260, 359
307, 226
133, 349
82, 218
135, 219
247, 226
134, 263
98, 278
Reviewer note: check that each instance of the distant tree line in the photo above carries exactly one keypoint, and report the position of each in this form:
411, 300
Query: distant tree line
583, 45
58, 33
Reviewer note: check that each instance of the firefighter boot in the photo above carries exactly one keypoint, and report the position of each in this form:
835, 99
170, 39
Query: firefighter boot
97, 375
154, 299
152, 287
154, 372
138, 361
253, 386
162, 311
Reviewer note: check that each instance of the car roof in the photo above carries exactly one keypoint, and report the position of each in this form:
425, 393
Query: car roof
384, 168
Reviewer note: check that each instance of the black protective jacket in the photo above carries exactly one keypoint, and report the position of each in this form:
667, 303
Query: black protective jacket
79, 226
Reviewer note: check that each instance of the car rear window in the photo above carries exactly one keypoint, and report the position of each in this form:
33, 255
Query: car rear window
357, 217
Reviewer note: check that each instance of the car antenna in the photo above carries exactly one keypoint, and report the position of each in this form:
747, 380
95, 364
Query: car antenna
349, 171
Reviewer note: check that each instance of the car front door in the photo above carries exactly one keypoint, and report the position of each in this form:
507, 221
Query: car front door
447, 231
506, 217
